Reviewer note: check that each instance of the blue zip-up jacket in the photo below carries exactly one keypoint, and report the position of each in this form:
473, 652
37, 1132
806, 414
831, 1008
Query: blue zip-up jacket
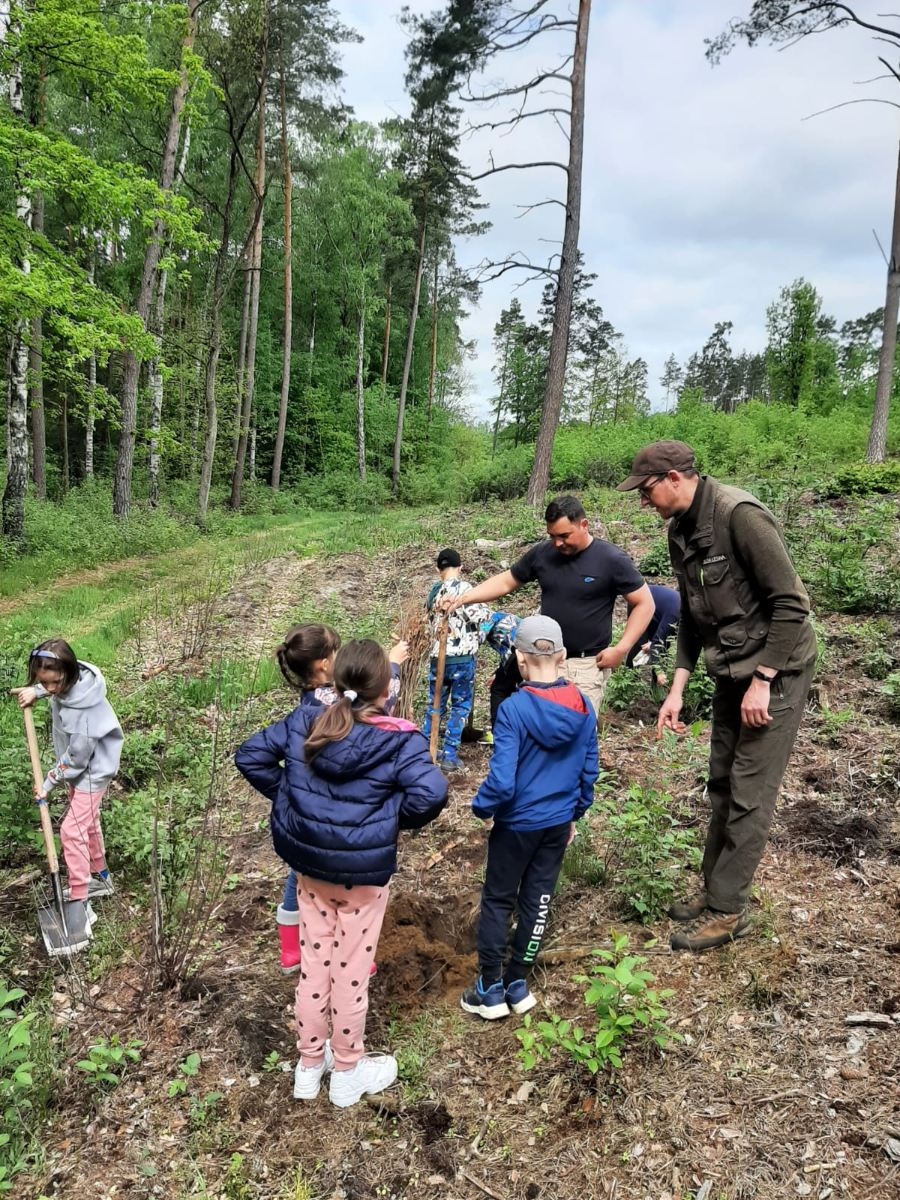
545, 761
338, 819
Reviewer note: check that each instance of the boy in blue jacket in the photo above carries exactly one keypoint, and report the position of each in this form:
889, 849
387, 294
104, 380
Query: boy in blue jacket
541, 781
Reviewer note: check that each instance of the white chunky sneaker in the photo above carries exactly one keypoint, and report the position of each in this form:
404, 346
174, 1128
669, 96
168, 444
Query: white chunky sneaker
308, 1080
373, 1073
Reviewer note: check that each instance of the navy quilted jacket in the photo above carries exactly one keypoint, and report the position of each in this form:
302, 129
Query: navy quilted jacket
339, 818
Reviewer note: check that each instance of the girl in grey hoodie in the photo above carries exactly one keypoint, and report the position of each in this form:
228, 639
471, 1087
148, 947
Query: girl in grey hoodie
87, 741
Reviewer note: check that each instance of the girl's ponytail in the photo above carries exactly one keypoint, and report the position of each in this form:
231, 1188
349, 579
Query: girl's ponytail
362, 674
303, 646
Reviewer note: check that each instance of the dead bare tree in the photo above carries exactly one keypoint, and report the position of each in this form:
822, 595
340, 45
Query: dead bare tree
511, 31
785, 22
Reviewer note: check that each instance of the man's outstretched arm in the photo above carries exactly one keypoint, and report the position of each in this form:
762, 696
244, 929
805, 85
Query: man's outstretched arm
482, 593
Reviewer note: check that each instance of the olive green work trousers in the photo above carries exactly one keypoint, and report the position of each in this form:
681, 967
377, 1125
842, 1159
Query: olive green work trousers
746, 767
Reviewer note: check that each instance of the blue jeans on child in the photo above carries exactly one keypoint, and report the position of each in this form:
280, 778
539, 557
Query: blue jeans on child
456, 698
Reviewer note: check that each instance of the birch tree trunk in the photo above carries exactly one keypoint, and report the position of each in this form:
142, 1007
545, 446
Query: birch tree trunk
387, 340
155, 383
132, 367
65, 478
38, 419
360, 392
154, 369
89, 416
876, 451
288, 293
410, 341
559, 339
13, 506
501, 398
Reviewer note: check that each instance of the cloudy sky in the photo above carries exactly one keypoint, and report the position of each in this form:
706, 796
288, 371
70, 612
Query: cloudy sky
705, 189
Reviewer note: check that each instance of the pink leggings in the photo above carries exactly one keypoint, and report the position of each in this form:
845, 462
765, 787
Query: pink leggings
82, 840
339, 928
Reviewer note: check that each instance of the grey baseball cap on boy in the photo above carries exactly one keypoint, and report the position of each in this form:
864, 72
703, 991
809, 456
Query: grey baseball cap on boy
539, 629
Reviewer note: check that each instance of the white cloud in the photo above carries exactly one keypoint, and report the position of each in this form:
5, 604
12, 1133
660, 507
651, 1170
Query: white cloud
705, 190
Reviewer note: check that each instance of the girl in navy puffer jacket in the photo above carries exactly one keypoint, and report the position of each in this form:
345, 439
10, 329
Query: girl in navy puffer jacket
343, 782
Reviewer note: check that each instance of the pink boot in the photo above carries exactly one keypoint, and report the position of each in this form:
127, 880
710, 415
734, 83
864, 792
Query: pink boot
289, 938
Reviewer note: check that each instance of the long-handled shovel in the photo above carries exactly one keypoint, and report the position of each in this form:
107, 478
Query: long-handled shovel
64, 926
440, 666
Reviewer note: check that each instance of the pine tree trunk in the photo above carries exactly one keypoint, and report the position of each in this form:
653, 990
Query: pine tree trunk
132, 367
259, 187
876, 451
559, 339
241, 380
360, 390
288, 293
432, 366
410, 342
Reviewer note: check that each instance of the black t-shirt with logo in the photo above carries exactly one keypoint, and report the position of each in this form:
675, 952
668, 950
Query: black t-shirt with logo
579, 590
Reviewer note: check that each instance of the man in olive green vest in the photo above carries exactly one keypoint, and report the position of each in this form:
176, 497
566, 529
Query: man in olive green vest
743, 604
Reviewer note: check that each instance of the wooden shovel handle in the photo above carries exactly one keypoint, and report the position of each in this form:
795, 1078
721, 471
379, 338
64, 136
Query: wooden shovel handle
37, 772
440, 666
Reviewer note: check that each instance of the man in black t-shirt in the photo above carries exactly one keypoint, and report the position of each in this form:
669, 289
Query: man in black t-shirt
580, 577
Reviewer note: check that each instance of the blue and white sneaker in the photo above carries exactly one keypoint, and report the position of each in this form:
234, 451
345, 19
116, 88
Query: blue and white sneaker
489, 1003
519, 997
449, 761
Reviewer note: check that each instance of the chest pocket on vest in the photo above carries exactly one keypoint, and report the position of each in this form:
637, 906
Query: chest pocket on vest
721, 593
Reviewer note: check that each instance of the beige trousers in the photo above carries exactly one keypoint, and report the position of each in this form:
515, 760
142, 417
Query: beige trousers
587, 676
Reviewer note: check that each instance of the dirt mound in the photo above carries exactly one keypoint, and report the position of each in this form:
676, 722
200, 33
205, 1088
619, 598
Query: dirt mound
814, 827
427, 947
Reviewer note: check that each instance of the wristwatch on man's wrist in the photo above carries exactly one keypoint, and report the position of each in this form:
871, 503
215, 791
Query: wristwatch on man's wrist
765, 678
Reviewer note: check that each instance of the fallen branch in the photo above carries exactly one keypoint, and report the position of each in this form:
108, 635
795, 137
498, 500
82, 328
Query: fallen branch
442, 854
21, 880
479, 1184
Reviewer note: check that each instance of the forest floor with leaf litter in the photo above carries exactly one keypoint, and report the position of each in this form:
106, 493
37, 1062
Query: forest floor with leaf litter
769, 1094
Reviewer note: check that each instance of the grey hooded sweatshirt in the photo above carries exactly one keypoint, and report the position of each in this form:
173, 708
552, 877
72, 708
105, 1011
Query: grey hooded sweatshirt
87, 736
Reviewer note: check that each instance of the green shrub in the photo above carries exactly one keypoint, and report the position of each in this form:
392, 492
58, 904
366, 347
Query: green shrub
626, 1010
656, 561
647, 850
107, 1061
16, 1082
890, 689
625, 687
863, 479
583, 864
850, 565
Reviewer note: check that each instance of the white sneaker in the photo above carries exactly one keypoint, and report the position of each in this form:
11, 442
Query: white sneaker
373, 1073
308, 1080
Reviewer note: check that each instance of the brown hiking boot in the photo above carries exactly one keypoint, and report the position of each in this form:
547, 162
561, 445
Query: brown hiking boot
689, 910
710, 930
